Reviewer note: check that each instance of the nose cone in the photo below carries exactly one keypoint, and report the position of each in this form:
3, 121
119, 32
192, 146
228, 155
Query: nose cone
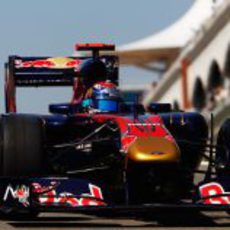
153, 149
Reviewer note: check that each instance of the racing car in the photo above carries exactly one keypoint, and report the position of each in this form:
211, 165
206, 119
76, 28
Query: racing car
99, 152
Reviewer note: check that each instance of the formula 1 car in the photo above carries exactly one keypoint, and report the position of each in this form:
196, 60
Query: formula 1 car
98, 152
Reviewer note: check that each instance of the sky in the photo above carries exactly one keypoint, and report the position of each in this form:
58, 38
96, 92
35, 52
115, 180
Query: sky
52, 27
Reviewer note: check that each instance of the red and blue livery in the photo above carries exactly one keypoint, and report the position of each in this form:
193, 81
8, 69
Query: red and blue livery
98, 152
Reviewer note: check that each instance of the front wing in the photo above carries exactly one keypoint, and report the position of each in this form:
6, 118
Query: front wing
63, 194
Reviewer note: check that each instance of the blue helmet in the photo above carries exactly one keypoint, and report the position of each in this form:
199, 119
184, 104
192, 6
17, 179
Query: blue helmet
105, 97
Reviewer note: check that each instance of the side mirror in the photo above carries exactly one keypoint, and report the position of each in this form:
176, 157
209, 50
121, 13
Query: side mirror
64, 108
160, 108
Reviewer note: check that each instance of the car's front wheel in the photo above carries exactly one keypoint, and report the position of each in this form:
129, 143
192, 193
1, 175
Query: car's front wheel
21, 145
223, 149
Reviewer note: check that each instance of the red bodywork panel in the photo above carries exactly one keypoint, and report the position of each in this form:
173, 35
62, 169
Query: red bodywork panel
130, 128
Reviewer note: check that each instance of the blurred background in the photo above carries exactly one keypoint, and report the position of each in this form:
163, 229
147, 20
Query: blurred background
170, 51
53, 27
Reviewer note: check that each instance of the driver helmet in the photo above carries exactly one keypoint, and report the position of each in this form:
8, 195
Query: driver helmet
104, 96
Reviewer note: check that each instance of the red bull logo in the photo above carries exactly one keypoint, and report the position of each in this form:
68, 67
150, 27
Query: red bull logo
52, 63
48, 195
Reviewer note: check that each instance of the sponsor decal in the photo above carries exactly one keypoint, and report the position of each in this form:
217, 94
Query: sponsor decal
34, 64
52, 63
144, 124
48, 195
20, 193
213, 193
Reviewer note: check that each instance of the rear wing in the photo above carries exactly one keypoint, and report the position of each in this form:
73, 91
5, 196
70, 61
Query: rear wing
52, 71
42, 71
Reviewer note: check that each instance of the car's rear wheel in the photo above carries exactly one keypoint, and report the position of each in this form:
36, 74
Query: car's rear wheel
21, 145
223, 149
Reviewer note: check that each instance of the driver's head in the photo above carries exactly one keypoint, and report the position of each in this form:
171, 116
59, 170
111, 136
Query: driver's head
103, 96
106, 97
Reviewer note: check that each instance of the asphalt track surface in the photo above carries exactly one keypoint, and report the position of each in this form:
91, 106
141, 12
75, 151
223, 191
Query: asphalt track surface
161, 221
156, 220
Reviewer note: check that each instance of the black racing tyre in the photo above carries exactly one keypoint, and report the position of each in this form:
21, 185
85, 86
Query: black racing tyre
21, 145
223, 149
